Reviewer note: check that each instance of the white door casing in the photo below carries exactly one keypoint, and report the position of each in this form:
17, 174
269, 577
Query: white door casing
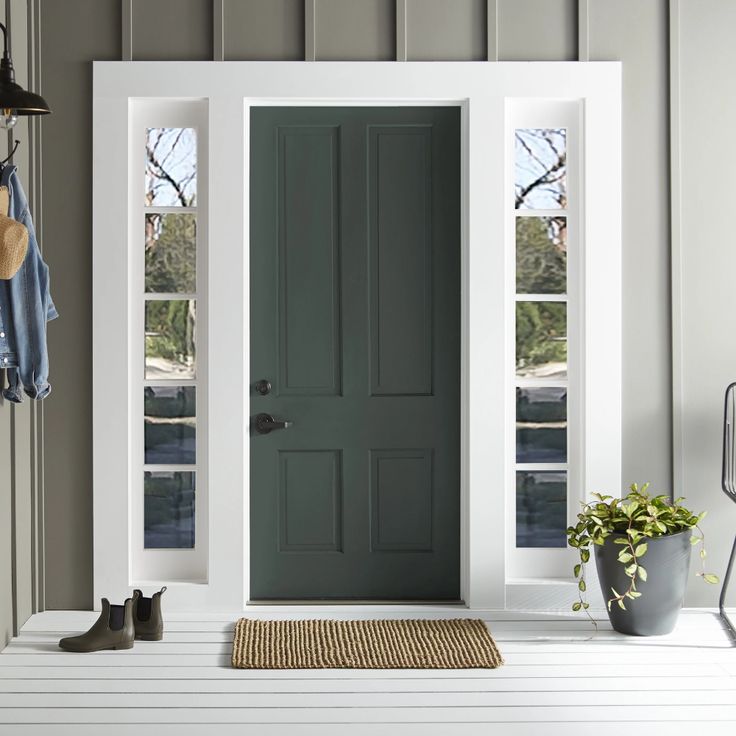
484, 92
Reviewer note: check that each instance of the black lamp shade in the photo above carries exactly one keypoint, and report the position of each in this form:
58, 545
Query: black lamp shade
14, 97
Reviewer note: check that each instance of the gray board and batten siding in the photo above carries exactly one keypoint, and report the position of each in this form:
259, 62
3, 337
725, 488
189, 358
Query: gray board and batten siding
673, 53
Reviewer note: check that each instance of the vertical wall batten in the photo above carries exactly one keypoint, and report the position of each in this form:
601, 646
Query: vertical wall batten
218, 30
37, 413
310, 29
583, 34
492, 29
127, 30
400, 30
678, 439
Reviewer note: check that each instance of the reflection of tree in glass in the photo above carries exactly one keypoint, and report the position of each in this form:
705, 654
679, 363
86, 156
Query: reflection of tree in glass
171, 167
178, 401
541, 509
541, 167
541, 255
171, 244
540, 333
169, 510
170, 330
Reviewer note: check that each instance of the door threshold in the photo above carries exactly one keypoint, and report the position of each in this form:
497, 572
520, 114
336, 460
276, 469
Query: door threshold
352, 602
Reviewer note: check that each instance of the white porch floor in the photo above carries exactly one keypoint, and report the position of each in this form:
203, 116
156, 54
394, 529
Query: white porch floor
555, 680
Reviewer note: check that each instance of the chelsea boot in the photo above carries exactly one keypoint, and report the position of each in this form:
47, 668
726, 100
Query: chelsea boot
149, 625
113, 629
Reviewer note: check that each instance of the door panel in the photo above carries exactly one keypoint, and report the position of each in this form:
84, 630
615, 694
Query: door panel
355, 321
400, 248
309, 325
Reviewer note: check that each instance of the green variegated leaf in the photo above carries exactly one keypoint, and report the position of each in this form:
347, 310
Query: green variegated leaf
642, 573
621, 604
711, 578
631, 569
640, 550
624, 557
581, 585
577, 606
576, 570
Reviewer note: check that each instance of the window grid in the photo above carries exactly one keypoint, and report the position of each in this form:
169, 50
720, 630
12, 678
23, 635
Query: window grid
178, 469
521, 212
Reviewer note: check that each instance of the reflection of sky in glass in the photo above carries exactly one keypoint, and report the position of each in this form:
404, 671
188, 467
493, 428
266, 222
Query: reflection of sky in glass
171, 167
540, 168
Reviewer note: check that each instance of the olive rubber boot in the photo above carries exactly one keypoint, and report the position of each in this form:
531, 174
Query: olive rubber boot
149, 625
114, 629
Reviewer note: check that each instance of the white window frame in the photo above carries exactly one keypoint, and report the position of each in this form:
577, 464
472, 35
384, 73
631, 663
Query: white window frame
545, 562
482, 91
151, 566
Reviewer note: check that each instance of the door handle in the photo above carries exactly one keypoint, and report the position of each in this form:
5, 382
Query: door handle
265, 423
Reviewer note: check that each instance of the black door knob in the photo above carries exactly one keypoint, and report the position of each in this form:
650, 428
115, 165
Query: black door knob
265, 423
263, 387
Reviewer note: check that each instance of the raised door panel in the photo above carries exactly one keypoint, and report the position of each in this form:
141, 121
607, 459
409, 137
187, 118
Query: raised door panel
310, 501
401, 500
309, 265
400, 247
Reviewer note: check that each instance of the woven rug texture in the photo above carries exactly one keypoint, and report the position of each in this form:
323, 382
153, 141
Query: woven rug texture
379, 644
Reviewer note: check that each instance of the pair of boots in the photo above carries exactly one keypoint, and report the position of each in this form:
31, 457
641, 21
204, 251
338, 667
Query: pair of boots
119, 625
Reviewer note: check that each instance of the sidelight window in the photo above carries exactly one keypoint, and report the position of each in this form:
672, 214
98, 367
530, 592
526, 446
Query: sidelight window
545, 235
168, 502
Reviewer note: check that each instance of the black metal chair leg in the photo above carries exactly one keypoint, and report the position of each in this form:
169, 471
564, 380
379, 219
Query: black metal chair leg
722, 600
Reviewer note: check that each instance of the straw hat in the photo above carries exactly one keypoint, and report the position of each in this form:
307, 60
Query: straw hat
13, 239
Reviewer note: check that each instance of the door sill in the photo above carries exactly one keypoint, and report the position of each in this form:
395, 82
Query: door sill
353, 602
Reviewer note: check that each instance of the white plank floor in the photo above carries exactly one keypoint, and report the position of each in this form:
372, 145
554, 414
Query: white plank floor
556, 680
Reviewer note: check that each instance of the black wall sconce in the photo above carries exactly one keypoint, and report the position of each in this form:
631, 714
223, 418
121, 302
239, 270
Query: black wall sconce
14, 100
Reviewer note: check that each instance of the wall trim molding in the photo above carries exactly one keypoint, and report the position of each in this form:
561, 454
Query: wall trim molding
583, 30
678, 431
492, 30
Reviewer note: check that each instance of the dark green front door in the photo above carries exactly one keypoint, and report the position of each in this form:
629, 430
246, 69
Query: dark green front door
355, 324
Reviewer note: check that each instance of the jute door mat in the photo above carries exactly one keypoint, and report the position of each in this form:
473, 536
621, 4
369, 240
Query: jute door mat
380, 644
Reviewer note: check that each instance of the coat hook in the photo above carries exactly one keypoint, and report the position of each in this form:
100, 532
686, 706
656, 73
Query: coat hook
12, 153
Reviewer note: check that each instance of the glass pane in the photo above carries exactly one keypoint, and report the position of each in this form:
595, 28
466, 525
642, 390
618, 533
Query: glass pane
170, 334
541, 339
541, 425
171, 167
170, 425
541, 509
171, 248
168, 511
541, 255
541, 168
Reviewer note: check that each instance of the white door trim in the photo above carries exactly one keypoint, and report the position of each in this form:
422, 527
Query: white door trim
230, 88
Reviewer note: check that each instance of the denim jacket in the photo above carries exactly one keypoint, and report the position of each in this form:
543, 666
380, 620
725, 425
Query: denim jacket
25, 307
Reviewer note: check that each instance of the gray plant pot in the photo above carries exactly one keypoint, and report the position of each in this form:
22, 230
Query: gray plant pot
667, 562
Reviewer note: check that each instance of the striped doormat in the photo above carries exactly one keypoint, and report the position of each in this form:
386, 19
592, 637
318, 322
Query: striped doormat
379, 644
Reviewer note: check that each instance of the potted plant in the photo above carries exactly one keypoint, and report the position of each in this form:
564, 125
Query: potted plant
644, 601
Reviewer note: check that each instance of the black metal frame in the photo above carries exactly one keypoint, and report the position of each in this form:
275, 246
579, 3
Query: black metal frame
728, 485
